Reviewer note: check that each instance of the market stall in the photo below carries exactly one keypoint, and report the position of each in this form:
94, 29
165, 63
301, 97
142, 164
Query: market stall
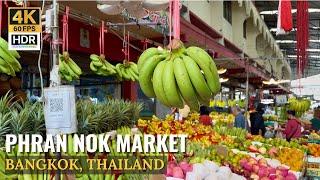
119, 71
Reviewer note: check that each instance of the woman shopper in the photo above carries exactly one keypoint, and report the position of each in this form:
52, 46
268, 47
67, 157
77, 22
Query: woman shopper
257, 122
205, 119
240, 120
293, 126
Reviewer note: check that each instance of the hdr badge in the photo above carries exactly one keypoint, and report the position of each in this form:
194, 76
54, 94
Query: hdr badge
24, 27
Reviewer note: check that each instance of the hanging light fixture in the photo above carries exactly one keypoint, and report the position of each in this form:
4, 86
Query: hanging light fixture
271, 81
222, 80
222, 71
282, 81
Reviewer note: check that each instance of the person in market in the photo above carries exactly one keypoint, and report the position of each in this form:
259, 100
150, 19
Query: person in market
175, 113
240, 120
257, 122
184, 112
315, 122
293, 126
205, 119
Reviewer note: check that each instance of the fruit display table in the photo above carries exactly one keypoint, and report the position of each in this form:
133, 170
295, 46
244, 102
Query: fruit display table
313, 167
221, 151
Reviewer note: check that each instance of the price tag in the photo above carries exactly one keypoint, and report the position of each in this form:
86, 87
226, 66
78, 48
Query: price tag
60, 110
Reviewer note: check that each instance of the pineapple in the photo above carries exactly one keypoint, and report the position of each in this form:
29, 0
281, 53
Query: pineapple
4, 127
106, 116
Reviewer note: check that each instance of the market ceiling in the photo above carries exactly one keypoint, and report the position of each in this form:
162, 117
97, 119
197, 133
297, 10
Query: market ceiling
287, 43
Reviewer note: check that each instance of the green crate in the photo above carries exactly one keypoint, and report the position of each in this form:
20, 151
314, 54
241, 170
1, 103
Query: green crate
269, 123
316, 141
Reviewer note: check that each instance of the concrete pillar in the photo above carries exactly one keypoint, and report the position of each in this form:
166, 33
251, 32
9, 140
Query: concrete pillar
252, 33
238, 17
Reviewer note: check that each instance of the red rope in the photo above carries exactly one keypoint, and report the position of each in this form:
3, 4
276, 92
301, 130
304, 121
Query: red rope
170, 21
101, 38
128, 46
176, 17
0, 17
145, 44
65, 27
302, 38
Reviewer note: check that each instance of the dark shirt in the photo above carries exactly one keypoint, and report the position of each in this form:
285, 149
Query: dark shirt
257, 123
315, 124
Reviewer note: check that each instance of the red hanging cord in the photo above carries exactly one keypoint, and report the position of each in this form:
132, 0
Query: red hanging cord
302, 35
302, 38
176, 17
101, 38
170, 21
1, 18
125, 46
128, 46
145, 44
65, 45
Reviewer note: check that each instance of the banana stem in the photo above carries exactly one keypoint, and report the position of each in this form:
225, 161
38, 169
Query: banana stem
176, 46
66, 55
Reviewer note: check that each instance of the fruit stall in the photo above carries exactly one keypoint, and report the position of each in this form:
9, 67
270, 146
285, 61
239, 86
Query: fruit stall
213, 152
127, 78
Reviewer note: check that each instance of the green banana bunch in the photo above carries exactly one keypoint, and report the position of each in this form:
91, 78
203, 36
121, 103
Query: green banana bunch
181, 76
68, 69
299, 105
127, 71
124, 130
241, 103
231, 103
101, 66
8, 59
220, 103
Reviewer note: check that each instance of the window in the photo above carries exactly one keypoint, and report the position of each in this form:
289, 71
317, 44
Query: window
244, 28
227, 12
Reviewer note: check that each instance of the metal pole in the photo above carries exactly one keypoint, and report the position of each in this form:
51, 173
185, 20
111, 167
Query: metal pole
55, 55
247, 89
55, 35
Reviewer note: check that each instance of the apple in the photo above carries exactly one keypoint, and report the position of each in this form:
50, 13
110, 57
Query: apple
252, 148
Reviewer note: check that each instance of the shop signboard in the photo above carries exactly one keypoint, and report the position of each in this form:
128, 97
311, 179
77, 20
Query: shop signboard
60, 110
267, 101
24, 28
160, 17
281, 99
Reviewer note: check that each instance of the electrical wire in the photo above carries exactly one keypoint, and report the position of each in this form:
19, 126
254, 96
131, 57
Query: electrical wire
40, 54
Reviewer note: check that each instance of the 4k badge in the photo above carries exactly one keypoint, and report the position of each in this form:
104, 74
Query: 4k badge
24, 27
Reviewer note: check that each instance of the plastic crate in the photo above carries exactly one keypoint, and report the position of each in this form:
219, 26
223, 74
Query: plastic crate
269, 123
316, 141
313, 172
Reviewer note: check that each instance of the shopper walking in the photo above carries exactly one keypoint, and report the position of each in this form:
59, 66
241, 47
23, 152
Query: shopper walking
240, 120
204, 116
257, 122
293, 126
